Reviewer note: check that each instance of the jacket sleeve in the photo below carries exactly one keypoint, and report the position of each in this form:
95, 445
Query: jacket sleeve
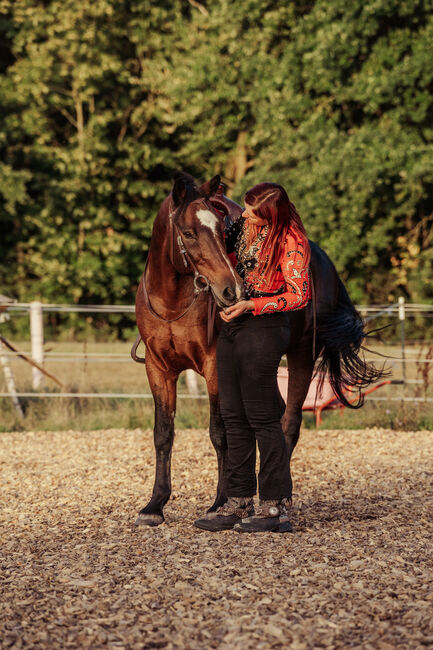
296, 277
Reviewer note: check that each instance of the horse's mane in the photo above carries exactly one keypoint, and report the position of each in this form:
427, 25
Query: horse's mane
184, 176
192, 191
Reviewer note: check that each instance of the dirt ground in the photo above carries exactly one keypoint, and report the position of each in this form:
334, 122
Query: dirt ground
356, 573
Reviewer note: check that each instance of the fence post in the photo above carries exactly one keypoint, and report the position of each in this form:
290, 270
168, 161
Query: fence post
10, 382
191, 382
37, 341
401, 318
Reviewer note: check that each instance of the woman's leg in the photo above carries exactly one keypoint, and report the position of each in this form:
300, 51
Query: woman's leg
241, 443
257, 353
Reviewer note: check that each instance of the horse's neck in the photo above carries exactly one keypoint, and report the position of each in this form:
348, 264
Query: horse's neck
163, 282
162, 279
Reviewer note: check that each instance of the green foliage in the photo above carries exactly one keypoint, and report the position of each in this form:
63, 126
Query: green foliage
85, 142
101, 101
353, 141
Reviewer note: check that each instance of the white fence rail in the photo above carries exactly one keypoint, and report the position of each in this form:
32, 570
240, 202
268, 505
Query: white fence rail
36, 311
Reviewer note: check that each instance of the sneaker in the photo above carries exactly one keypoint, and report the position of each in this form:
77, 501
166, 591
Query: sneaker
270, 516
225, 517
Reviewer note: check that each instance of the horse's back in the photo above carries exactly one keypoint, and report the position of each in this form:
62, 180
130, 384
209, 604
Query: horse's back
325, 279
325, 291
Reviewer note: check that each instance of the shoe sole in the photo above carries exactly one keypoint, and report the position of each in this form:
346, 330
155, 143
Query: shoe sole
205, 526
284, 527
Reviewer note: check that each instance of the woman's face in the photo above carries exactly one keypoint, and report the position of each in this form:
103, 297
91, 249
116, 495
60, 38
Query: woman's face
249, 214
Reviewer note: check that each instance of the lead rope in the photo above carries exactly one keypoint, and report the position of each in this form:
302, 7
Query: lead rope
313, 295
211, 312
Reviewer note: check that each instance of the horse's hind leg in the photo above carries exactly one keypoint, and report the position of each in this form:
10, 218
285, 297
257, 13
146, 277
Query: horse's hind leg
300, 366
218, 438
163, 387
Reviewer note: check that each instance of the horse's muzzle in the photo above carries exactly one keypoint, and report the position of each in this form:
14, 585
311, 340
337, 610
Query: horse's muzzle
230, 295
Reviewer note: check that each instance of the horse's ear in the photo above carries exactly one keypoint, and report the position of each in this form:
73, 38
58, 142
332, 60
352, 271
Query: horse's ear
210, 187
179, 188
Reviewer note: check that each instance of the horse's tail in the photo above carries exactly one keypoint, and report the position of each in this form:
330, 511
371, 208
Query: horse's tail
339, 335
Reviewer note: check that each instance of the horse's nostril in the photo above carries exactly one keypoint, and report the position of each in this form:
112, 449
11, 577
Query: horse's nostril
229, 293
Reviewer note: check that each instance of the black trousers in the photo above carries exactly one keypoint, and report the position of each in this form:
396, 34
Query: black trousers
249, 350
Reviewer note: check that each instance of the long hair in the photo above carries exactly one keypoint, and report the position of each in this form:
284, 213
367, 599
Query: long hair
270, 202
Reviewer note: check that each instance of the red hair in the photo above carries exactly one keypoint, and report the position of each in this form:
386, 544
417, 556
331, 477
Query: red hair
270, 202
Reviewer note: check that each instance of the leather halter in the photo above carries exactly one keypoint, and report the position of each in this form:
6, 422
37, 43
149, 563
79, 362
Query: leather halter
174, 231
187, 259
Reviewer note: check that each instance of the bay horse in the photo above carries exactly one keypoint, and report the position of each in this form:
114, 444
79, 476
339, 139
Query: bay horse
187, 266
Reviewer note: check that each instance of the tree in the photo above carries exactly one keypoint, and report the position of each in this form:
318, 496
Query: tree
86, 145
333, 101
353, 140
102, 101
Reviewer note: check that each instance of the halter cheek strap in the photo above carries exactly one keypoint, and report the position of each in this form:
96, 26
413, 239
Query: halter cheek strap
182, 249
186, 257
198, 277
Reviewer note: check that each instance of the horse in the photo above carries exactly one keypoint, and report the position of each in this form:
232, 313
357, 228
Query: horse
187, 271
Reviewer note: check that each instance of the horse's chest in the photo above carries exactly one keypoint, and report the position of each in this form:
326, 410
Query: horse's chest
180, 347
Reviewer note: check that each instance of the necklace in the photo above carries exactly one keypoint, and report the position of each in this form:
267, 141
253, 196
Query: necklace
247, 252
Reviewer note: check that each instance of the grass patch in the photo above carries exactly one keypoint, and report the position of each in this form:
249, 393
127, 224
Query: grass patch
400, 416
51, 414
87, 367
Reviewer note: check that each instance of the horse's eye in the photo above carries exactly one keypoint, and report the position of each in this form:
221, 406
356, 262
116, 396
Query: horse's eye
188, 234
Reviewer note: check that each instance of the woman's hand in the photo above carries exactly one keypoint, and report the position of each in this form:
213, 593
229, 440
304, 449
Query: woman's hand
236, 310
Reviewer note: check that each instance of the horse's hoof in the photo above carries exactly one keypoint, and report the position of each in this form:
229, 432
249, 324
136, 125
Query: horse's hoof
144, 519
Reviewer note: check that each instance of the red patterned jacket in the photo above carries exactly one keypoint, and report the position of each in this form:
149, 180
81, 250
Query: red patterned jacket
290, 285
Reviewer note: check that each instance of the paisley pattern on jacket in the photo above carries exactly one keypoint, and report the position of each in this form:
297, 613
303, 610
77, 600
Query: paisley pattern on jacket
290, 285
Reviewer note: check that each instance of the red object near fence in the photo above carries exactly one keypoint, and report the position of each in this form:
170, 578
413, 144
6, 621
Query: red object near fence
327, 399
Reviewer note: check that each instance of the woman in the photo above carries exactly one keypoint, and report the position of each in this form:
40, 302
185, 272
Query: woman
272, 255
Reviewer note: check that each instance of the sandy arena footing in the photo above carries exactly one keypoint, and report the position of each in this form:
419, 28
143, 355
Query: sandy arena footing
357, 572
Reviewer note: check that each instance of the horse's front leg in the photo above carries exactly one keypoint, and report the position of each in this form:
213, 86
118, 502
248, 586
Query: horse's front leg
163, 387
300, 366
217, 436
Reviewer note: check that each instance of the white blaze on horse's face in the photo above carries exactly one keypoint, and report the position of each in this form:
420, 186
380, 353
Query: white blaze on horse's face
211, 221
208, 219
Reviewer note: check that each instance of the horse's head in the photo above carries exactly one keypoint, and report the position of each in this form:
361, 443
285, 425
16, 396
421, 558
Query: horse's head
197, 239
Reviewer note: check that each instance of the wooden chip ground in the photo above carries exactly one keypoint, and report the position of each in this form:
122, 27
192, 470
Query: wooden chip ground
357, 572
